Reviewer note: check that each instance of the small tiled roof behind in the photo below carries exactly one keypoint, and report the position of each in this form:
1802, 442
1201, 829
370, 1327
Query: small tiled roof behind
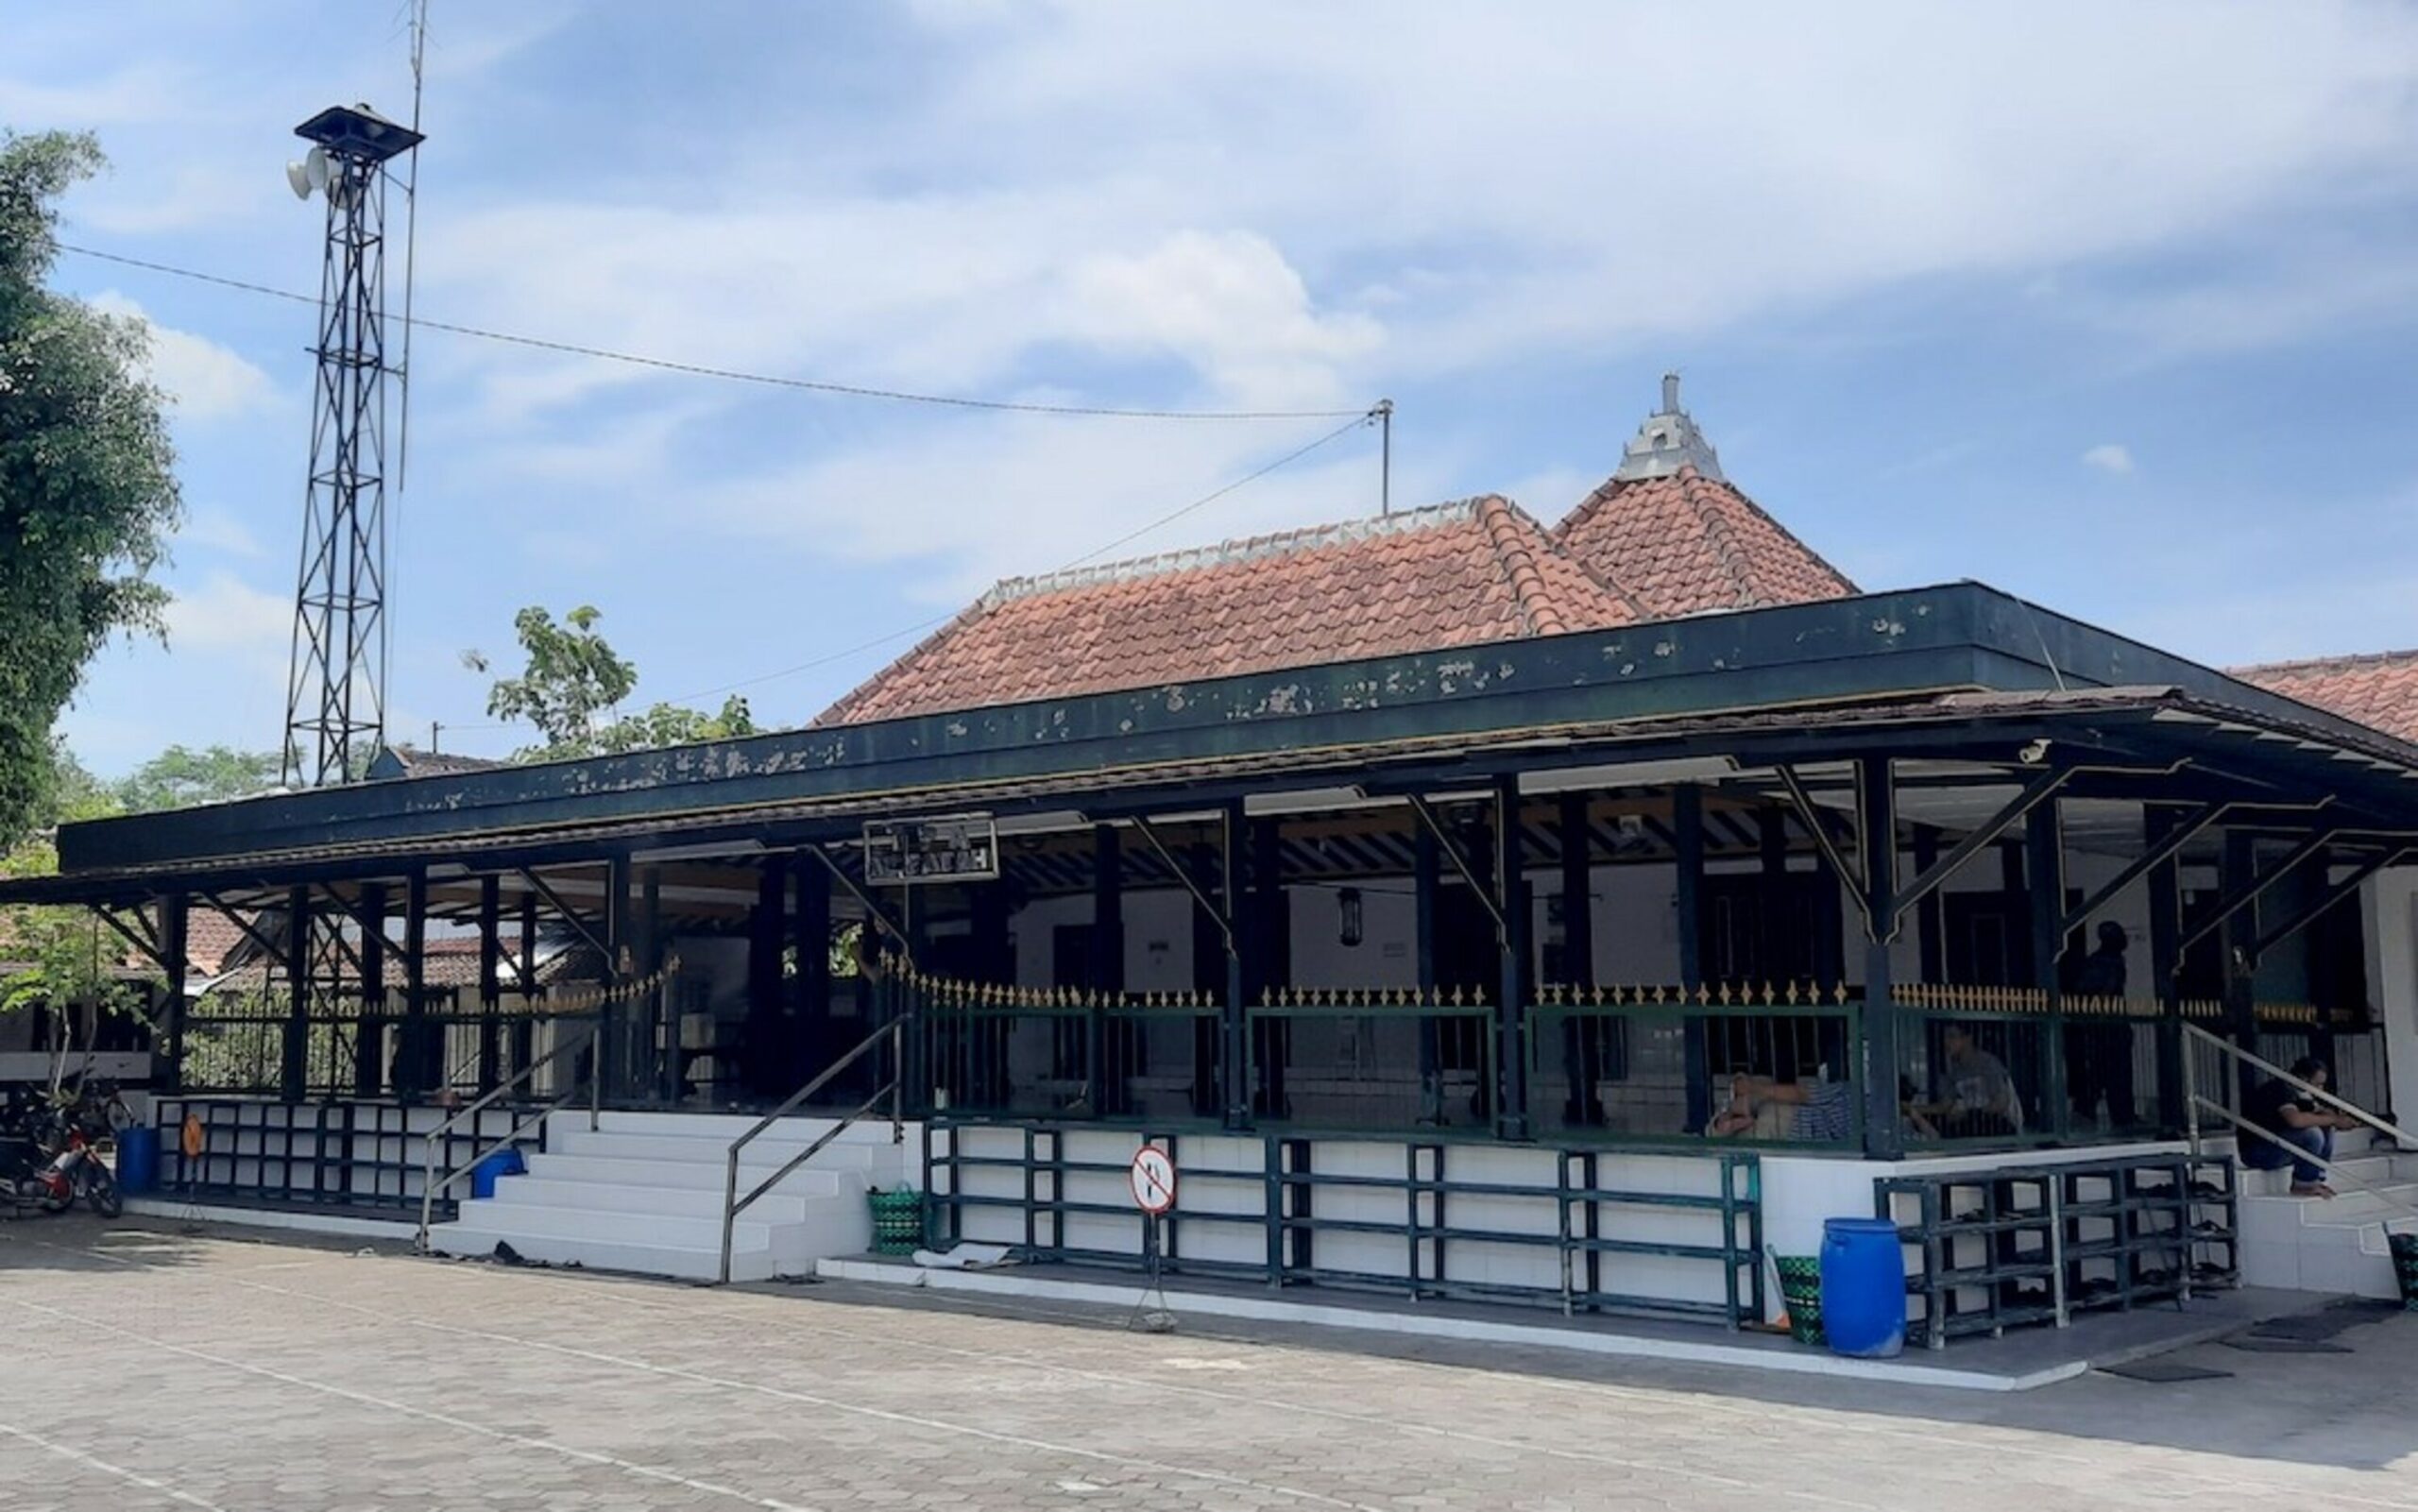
1432, 579
1688, 544
2380, 690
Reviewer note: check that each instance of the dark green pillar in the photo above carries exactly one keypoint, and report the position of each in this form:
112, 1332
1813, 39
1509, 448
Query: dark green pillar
174, 968
1233, 1060
1511, 1010
1687, 833
1877, 845
2165, 973
1106, 1044
490, 983
1582, 1037
2044, 875
2237, 863
423, 1043
292, 1078
369, 1037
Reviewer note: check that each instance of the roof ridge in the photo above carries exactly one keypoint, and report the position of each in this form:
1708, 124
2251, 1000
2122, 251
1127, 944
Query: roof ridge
1794, 539
847, 703
2348, 658
1246, 549
1518, 563
1718, 531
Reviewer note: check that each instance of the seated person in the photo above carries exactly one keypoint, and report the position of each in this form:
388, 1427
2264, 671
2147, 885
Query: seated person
1977, 1097
1824, 1112
2299, 1121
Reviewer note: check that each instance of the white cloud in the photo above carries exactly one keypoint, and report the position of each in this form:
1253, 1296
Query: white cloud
206, 381
226, 614
214, 530
2110, 456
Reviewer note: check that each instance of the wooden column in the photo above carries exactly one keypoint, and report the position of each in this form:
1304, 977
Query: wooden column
369, 1056
767, 991
292, 1077
661, 1042
1103, 1041
1426, 876
616, 1064
423, 1043
1233, 1059
1582, 1038
1510, 1014
1930, 922
524, 1027
1877, 845
1687, 831
1272, 965
2165, 973
811, 1032
2237, 863
2044, 880
174, 967
490, 983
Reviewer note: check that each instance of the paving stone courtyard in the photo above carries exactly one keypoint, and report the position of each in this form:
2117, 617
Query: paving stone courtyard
158, 1366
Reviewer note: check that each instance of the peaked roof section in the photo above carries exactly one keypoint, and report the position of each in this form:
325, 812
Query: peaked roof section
1685, 543
1455, 574
2379, 691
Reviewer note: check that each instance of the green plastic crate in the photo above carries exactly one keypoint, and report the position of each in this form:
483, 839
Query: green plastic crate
897, 1222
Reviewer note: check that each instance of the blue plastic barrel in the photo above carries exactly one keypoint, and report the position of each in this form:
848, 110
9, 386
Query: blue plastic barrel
1864, 1287
138, 1158
506, 1161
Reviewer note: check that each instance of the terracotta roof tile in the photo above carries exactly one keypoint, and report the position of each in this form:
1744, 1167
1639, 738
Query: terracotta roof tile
2379, 691
1688, 544
1453, 575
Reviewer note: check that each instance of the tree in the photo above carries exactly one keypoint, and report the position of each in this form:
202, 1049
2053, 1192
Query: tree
88, 491
58, 958
573, 680
180, 777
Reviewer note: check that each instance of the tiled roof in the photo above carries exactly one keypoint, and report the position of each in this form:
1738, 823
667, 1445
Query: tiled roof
2379, 691
1689, 544
1455, 574
410, 761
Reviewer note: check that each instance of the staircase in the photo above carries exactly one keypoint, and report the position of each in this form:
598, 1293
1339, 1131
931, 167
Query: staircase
643, 1193
2311, 1244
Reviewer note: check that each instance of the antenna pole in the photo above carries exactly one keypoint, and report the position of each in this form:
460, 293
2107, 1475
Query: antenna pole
1385, 418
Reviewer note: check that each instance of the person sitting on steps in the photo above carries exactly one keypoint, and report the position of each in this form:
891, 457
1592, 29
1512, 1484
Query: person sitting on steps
2299, 1121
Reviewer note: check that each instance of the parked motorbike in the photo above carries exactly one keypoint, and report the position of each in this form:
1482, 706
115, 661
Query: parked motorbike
50, 1149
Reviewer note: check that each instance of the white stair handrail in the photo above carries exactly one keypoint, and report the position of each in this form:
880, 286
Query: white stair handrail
2401, 1139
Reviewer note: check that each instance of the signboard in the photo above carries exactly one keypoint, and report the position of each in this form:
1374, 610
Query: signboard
954, 848
1152, 1178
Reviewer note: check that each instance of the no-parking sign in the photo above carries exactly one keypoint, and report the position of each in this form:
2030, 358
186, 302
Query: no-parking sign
1153, 1178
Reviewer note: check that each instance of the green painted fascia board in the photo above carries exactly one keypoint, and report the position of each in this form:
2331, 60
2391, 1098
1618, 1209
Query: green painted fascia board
1918, 640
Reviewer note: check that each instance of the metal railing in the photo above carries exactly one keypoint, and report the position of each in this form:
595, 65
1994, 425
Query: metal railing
893, 1091
2233, 1057
431, 1184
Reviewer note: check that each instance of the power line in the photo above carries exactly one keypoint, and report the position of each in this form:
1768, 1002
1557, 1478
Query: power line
728, 374
1356, 422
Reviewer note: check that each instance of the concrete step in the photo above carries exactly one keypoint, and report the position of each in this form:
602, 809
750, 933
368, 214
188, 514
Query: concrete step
780, 1206
725, 1127
767, 1153
811, 1180
473, 1237
691, 1232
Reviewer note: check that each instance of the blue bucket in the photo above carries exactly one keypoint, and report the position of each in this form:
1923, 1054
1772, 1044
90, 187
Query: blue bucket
1864, 1287
138, 1160
506, 1161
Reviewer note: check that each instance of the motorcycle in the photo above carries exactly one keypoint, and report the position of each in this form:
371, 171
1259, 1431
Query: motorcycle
50, 1151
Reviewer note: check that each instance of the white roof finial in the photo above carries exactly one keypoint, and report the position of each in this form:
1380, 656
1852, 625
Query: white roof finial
1668, 441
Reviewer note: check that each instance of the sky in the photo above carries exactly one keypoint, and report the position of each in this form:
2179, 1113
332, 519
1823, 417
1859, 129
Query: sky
2114, 307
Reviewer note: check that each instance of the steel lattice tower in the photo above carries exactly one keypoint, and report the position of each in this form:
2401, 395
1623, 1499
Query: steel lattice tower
335, 686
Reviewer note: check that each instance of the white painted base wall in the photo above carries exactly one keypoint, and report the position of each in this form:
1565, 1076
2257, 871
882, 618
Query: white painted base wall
643, 1193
